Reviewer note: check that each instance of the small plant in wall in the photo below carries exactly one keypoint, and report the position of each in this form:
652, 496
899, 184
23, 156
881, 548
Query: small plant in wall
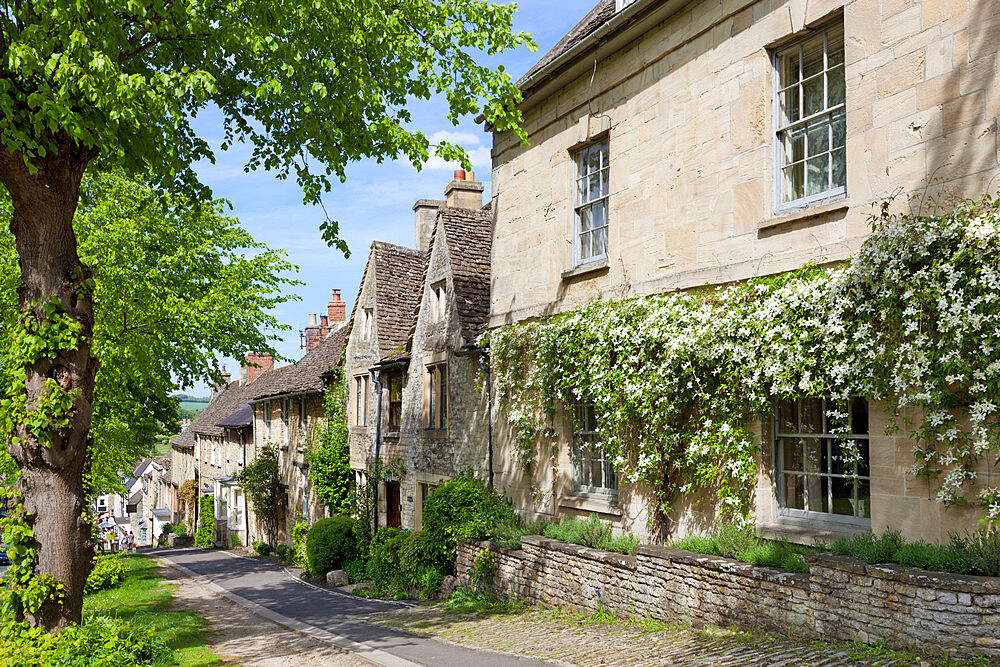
911, 321
483, 572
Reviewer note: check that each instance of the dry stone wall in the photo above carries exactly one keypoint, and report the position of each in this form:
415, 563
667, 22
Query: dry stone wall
841, 598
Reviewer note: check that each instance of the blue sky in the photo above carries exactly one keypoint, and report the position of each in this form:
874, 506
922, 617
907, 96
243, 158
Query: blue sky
376, 201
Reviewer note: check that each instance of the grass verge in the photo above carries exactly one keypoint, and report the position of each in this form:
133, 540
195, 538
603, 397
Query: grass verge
142, 600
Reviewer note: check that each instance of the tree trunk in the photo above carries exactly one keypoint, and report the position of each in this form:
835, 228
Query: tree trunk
44, 204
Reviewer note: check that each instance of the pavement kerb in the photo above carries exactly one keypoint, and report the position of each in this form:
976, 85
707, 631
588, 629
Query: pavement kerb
371, 654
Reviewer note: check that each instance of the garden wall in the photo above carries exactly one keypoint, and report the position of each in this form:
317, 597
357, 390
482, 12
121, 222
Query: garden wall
841, 598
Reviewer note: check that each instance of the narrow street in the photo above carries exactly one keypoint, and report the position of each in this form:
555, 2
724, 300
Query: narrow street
268, 585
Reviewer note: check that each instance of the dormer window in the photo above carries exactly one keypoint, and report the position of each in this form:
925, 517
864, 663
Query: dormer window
438, 301
368, 323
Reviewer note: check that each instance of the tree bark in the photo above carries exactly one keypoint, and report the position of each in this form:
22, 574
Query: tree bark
44, 202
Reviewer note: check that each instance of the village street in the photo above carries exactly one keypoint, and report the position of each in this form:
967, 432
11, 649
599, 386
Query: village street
392, 633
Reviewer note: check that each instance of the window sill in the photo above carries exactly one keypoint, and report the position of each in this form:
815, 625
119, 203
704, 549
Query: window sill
808, 532
808, 213
585, 269
607, 505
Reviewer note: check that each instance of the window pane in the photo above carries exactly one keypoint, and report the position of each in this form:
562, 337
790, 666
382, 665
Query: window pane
817, 170
604, 182
837, 464
600, 242
835, 47
835, 86
816, 455
864, 500
581, 191
794, 182
604, 156
812, 415
812, 56
790, 71
839, 175
859, 416
863, 465
586, 219
812, 96
818, 139
843, 496
790, 105
795, 146
584, 246
794, 493
788, 416
839, 130
817, 489
791, 449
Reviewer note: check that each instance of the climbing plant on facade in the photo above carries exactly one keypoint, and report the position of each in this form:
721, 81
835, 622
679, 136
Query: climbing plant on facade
913, 320
328, 452
261, 482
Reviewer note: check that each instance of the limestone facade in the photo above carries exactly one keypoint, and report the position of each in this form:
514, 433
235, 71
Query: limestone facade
685, 97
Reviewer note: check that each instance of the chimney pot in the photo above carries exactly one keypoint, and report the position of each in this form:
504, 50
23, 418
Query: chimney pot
312, 319
464, 194
459, 174
324, 320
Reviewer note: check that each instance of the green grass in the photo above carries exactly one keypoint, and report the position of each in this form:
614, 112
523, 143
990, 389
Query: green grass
467, 601
730, 541
975, 553
140, 599
195, 405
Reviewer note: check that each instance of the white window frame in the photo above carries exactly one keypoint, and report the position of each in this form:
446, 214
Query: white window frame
361, 400
437, 409
303, 419
267, 421
580, 206
781, 129
286, 421
368, 328
827, 438
585, 431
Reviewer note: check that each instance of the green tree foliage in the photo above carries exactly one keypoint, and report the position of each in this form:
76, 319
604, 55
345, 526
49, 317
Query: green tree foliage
329, 452
261, 483
205, 535
175, 283
309, 86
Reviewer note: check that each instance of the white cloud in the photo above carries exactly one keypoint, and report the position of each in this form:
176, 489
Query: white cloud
480, 158
464, 139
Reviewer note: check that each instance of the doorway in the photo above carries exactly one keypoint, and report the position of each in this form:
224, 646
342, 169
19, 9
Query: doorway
393, 510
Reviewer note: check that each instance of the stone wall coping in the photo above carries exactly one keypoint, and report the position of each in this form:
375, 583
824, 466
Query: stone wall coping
599, 555
727, 565
965, 583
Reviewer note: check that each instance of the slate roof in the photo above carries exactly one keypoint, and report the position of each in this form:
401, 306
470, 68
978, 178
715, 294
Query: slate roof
221, 406
307, 373
598, 16
399, 274
469, 234
243, 416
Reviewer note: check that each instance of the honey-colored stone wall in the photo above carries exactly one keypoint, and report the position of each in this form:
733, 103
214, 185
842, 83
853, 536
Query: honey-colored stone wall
687, 107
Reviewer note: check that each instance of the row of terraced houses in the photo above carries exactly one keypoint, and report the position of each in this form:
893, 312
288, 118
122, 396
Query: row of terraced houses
672, 145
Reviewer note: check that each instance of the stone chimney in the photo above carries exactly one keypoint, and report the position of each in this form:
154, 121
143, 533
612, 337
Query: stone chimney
336, 310
464, 192
257, 365
424, 216
219, 388
313, 334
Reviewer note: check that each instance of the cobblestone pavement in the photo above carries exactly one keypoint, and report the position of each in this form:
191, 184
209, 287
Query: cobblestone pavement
568, 639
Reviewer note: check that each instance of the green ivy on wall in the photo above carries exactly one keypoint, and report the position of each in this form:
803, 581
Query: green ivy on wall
205, 536
913, 319
329, 452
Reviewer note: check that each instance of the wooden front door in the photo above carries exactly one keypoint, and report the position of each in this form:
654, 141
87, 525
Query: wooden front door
393, 510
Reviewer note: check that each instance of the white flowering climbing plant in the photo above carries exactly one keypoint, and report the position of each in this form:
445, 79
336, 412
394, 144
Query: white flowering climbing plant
912, 321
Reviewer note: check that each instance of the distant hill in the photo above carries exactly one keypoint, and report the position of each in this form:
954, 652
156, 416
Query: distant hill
193, 404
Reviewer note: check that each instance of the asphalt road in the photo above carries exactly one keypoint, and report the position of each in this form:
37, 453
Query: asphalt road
268, 585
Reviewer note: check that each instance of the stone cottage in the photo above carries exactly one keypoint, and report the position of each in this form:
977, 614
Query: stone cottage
437, 404
374, 365
285, 405
676, 145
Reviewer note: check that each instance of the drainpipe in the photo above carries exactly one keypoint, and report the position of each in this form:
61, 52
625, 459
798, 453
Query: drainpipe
378, 442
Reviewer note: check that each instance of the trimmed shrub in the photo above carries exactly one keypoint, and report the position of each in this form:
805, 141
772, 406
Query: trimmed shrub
383, 559
167, 528
262, 548
205, 536
102, 640
108, 571
415, 552
356, 569
180, 530
332, 542
462, 508
284, 552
